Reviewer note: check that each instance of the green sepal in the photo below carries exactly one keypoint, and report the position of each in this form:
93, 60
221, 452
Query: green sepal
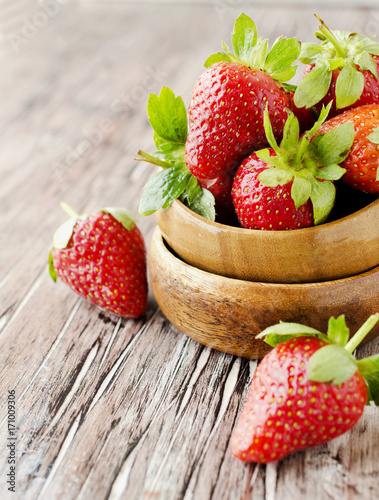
216, 58
336, 63
331, 172
282, 55
335, 145
374, 136
309, 50
331, 363
366, 62
204, 205
272, 177
167, 116
244, 37
323, 196
275, 334
122, 215
291, 132
349, 86
300, 190
313, 87
52, 270
369, 369
63, 234
258, 54
338, 332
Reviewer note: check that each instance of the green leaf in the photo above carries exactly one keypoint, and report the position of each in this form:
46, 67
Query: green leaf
193, 190
331, 172
244, 37
63, 234
204, 205
322, 196
369, 368
167, 116
362, 43
272, 177
338, 332
366, 62
331, 363
291, 329
269, 132
289, 87
275, 161
284, 74
216, 58
300, 191
322, 117
52, 270
313, 87
122, 215
374, 136
349, 86
283, 54
335, 145
163, 188
258, 54
309, 51
290, 132
336, 63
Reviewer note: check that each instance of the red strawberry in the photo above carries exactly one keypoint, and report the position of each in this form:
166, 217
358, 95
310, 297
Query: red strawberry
342, 69
291, 186
102, 257
226, 110
305, 392
362, 162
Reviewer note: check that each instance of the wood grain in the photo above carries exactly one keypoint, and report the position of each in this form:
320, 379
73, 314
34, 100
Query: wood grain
108, 407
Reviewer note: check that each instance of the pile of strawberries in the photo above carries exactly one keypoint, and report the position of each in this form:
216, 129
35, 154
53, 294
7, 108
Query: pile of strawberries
269, 153
264, 154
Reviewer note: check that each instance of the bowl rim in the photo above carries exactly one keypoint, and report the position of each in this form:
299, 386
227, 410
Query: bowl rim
315, 284
272, 234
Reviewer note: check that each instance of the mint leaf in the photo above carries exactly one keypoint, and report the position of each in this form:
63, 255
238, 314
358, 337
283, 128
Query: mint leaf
216, 58
163, 188
300, 191
369, 369
331, 363
167, 116
204, 205
283, 54
314, 86
349, 86
335, 145
52, 270
322, 196
338, 332
244, 37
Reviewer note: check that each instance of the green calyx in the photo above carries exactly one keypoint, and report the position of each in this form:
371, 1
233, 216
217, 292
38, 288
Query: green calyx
334, 362
168, 119
254, 52
374, 138
311, 165
351, 53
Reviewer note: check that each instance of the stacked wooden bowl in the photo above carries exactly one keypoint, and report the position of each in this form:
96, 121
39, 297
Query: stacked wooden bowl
222, 285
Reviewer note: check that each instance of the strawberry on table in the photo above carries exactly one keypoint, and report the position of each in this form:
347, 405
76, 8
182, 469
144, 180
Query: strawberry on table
291, 186
102, 257
343, 69
308, 390
228, 100
362, 162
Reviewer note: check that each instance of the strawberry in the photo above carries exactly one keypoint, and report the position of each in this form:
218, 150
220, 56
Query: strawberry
362, 162
342, 69
308, 390
228, 101
291, 186
102, 258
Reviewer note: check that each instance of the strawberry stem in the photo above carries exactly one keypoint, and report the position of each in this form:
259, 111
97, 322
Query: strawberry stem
341, 52
367, 326
69, 211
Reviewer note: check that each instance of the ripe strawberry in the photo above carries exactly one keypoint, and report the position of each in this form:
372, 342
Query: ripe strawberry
102, 258
342, 69
362, 162
228, 101
306, 391
291, 186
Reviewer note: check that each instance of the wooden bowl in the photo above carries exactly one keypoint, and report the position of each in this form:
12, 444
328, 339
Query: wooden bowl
334, 250
226, 314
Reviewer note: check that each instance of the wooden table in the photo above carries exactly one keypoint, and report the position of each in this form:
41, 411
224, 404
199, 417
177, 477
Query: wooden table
110, 408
